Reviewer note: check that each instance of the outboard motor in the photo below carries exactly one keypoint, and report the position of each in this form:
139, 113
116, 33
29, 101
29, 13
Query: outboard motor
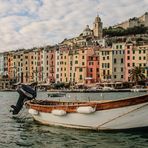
25, 93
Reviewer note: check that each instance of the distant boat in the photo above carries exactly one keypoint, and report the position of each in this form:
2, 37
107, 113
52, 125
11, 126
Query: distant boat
56, 94
138, 88
105, 88
97, 115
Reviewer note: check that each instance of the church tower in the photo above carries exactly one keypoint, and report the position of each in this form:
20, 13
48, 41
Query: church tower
97, 27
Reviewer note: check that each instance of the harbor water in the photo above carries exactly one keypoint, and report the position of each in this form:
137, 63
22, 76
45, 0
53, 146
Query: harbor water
22, 131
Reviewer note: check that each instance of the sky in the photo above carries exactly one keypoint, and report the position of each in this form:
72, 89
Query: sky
35, 23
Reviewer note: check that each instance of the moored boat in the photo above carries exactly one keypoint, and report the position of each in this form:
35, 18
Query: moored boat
57, 94
97, 115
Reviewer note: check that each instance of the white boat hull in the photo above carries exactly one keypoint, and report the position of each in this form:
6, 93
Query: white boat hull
119, 118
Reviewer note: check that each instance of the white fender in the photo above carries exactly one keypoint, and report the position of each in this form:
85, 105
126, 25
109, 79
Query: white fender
58, 112
33, 111
85, 109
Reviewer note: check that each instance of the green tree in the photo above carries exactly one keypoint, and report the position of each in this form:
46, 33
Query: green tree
137, 74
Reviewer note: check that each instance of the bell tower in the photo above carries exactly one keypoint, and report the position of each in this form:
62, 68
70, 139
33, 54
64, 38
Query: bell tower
97, 27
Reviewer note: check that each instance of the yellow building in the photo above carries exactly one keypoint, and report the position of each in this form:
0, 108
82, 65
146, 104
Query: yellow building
106, 64
140, 57
18, 65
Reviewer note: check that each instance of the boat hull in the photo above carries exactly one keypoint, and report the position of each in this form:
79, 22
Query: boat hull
127, 117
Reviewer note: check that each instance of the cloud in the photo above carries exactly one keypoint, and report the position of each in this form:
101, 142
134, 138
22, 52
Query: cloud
26, 23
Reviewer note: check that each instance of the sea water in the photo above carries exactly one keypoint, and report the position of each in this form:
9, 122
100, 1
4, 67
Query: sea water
21, 131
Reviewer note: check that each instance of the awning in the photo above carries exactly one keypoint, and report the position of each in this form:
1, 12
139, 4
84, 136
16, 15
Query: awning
88, 78
80, 84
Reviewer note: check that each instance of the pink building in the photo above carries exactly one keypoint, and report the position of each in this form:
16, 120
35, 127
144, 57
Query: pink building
51, 56
93, 73
128, 59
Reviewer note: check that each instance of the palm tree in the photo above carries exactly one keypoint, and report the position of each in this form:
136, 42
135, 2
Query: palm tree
137, 74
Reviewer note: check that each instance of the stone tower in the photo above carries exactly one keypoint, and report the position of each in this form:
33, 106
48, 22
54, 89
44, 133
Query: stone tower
97, 27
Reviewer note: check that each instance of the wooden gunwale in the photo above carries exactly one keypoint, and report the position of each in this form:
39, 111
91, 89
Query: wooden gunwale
70, 107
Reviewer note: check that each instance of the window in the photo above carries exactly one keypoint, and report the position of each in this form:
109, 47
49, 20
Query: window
120, 46
103, 58
133, 51
139, 51
128, 52
108, 65
128, 47
76, 62
121, 76
91, 70
114, 69
115, 60
121, 69
57, 75
108, 72
139, 58
121, 60
82, 57
128, 64
128, 57
81, 77
133, 64
144, 58
80, 69
115, 76
143, 51
133, 57
97, 69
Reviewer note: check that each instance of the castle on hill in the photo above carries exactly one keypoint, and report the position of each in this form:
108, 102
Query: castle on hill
136, 21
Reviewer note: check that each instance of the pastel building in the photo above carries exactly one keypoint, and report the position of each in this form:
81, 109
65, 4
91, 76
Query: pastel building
46, 64
118, 60
18, 65
135, 56
129, 58
93, 66
79, 66
71, 67
106, 64
58, 66
140, 57
51, 58
64, 66
1, 63
11, 70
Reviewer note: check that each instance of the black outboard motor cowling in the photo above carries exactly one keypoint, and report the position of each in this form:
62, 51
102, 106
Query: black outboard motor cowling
25, 93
